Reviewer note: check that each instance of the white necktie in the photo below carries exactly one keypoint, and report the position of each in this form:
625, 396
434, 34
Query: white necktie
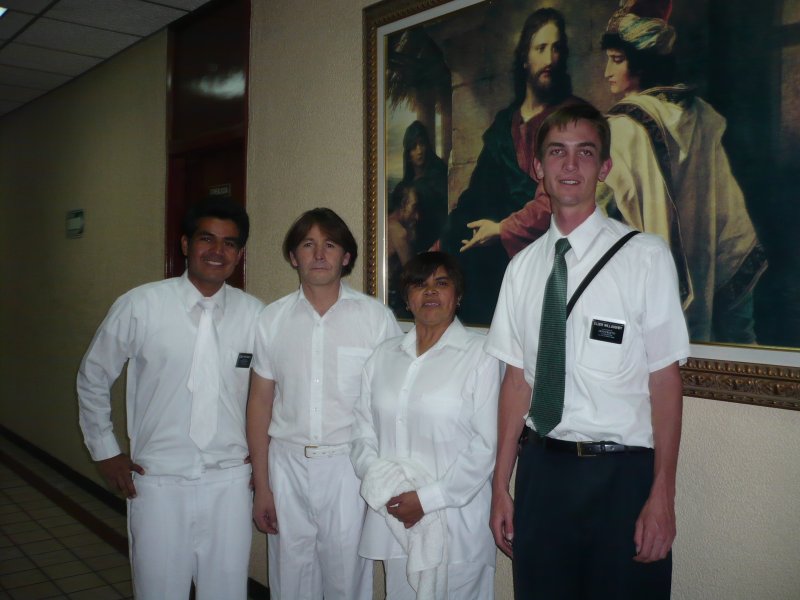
204, 378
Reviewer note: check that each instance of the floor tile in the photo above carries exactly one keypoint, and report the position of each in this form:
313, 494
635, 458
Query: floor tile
61, 531
34, 548
101, 593
27, 537
10, 552
53, 558
106, 561
116, 574
66, 569
23, 494
23, 578
125, 588
36, 592
96, 549
79, 582
36, 503
26, 525
78, 540
16, 516
15, 565
45, 511
55, 521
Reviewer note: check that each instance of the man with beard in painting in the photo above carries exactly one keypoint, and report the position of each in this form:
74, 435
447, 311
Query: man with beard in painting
504, 179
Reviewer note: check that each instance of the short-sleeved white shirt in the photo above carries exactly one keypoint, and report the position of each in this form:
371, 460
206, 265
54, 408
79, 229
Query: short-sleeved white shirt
440, 410
154, 327
315, 362
606, 386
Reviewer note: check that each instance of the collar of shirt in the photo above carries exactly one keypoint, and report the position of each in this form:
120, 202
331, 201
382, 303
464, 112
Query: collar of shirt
455, 336
190, 295
345, 293
581, 238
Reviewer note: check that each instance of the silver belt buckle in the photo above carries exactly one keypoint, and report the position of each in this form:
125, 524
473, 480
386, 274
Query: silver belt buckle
306, 448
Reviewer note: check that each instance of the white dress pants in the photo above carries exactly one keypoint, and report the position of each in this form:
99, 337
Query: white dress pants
199, 530
465, 581
320, 516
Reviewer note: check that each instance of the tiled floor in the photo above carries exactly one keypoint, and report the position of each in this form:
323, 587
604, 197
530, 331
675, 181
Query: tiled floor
46, 552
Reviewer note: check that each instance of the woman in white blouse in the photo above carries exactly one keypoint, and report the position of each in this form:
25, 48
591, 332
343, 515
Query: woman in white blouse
424, 445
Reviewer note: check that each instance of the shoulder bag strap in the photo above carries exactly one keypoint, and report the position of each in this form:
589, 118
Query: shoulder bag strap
596, 269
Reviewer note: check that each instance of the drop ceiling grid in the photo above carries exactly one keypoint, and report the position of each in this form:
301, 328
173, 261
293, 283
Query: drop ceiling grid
45, 43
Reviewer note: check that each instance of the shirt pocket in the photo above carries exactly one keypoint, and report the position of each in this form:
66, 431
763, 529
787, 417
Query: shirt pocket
350, 361
235, 379
598, 351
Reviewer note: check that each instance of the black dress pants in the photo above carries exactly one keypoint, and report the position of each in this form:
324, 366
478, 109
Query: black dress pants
574, 520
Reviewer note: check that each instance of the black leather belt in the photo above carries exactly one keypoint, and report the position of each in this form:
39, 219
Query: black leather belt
582, 449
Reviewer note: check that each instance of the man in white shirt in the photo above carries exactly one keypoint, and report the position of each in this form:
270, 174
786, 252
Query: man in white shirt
593, 513
309, 352
188, 343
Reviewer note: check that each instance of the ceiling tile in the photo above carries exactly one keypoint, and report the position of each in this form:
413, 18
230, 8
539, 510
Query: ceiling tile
58, 35
53, 61
11, 93
30, 78
26, 6
126, 16
6, 107
12, 22
185, 4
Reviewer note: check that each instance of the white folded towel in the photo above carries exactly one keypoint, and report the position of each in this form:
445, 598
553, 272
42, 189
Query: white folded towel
426, 542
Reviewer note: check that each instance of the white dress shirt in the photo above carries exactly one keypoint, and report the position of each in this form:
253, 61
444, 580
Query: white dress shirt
316, 362
153, 327
606, 388
440, 410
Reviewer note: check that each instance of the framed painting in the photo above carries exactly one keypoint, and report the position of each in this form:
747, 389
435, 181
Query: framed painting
704, 142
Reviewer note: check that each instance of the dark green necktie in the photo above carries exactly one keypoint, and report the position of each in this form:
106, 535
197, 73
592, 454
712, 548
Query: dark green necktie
547, 402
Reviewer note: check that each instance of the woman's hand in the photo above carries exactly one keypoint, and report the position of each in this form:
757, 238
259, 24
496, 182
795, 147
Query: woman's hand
406, 508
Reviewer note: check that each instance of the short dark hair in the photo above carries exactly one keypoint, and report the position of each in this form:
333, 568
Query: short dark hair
331, 225
423, 265
535, 21
573, 113
217, 207
652, 69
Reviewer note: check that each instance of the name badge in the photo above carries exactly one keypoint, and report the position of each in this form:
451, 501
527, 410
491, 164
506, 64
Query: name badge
244, 360
604, 330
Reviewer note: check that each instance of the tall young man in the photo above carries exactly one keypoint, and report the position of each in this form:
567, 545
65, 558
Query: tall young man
594, 512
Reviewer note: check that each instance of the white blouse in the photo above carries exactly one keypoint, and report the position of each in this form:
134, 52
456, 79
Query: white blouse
440, 410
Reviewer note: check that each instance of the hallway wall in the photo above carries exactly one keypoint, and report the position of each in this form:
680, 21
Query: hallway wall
98, 144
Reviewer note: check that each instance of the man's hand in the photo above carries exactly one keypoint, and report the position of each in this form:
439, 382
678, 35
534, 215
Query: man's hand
484, 231
264, 515
406, 508
501, 521
117, 473
655, 528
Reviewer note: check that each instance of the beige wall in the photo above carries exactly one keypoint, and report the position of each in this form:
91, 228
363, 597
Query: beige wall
98, 144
